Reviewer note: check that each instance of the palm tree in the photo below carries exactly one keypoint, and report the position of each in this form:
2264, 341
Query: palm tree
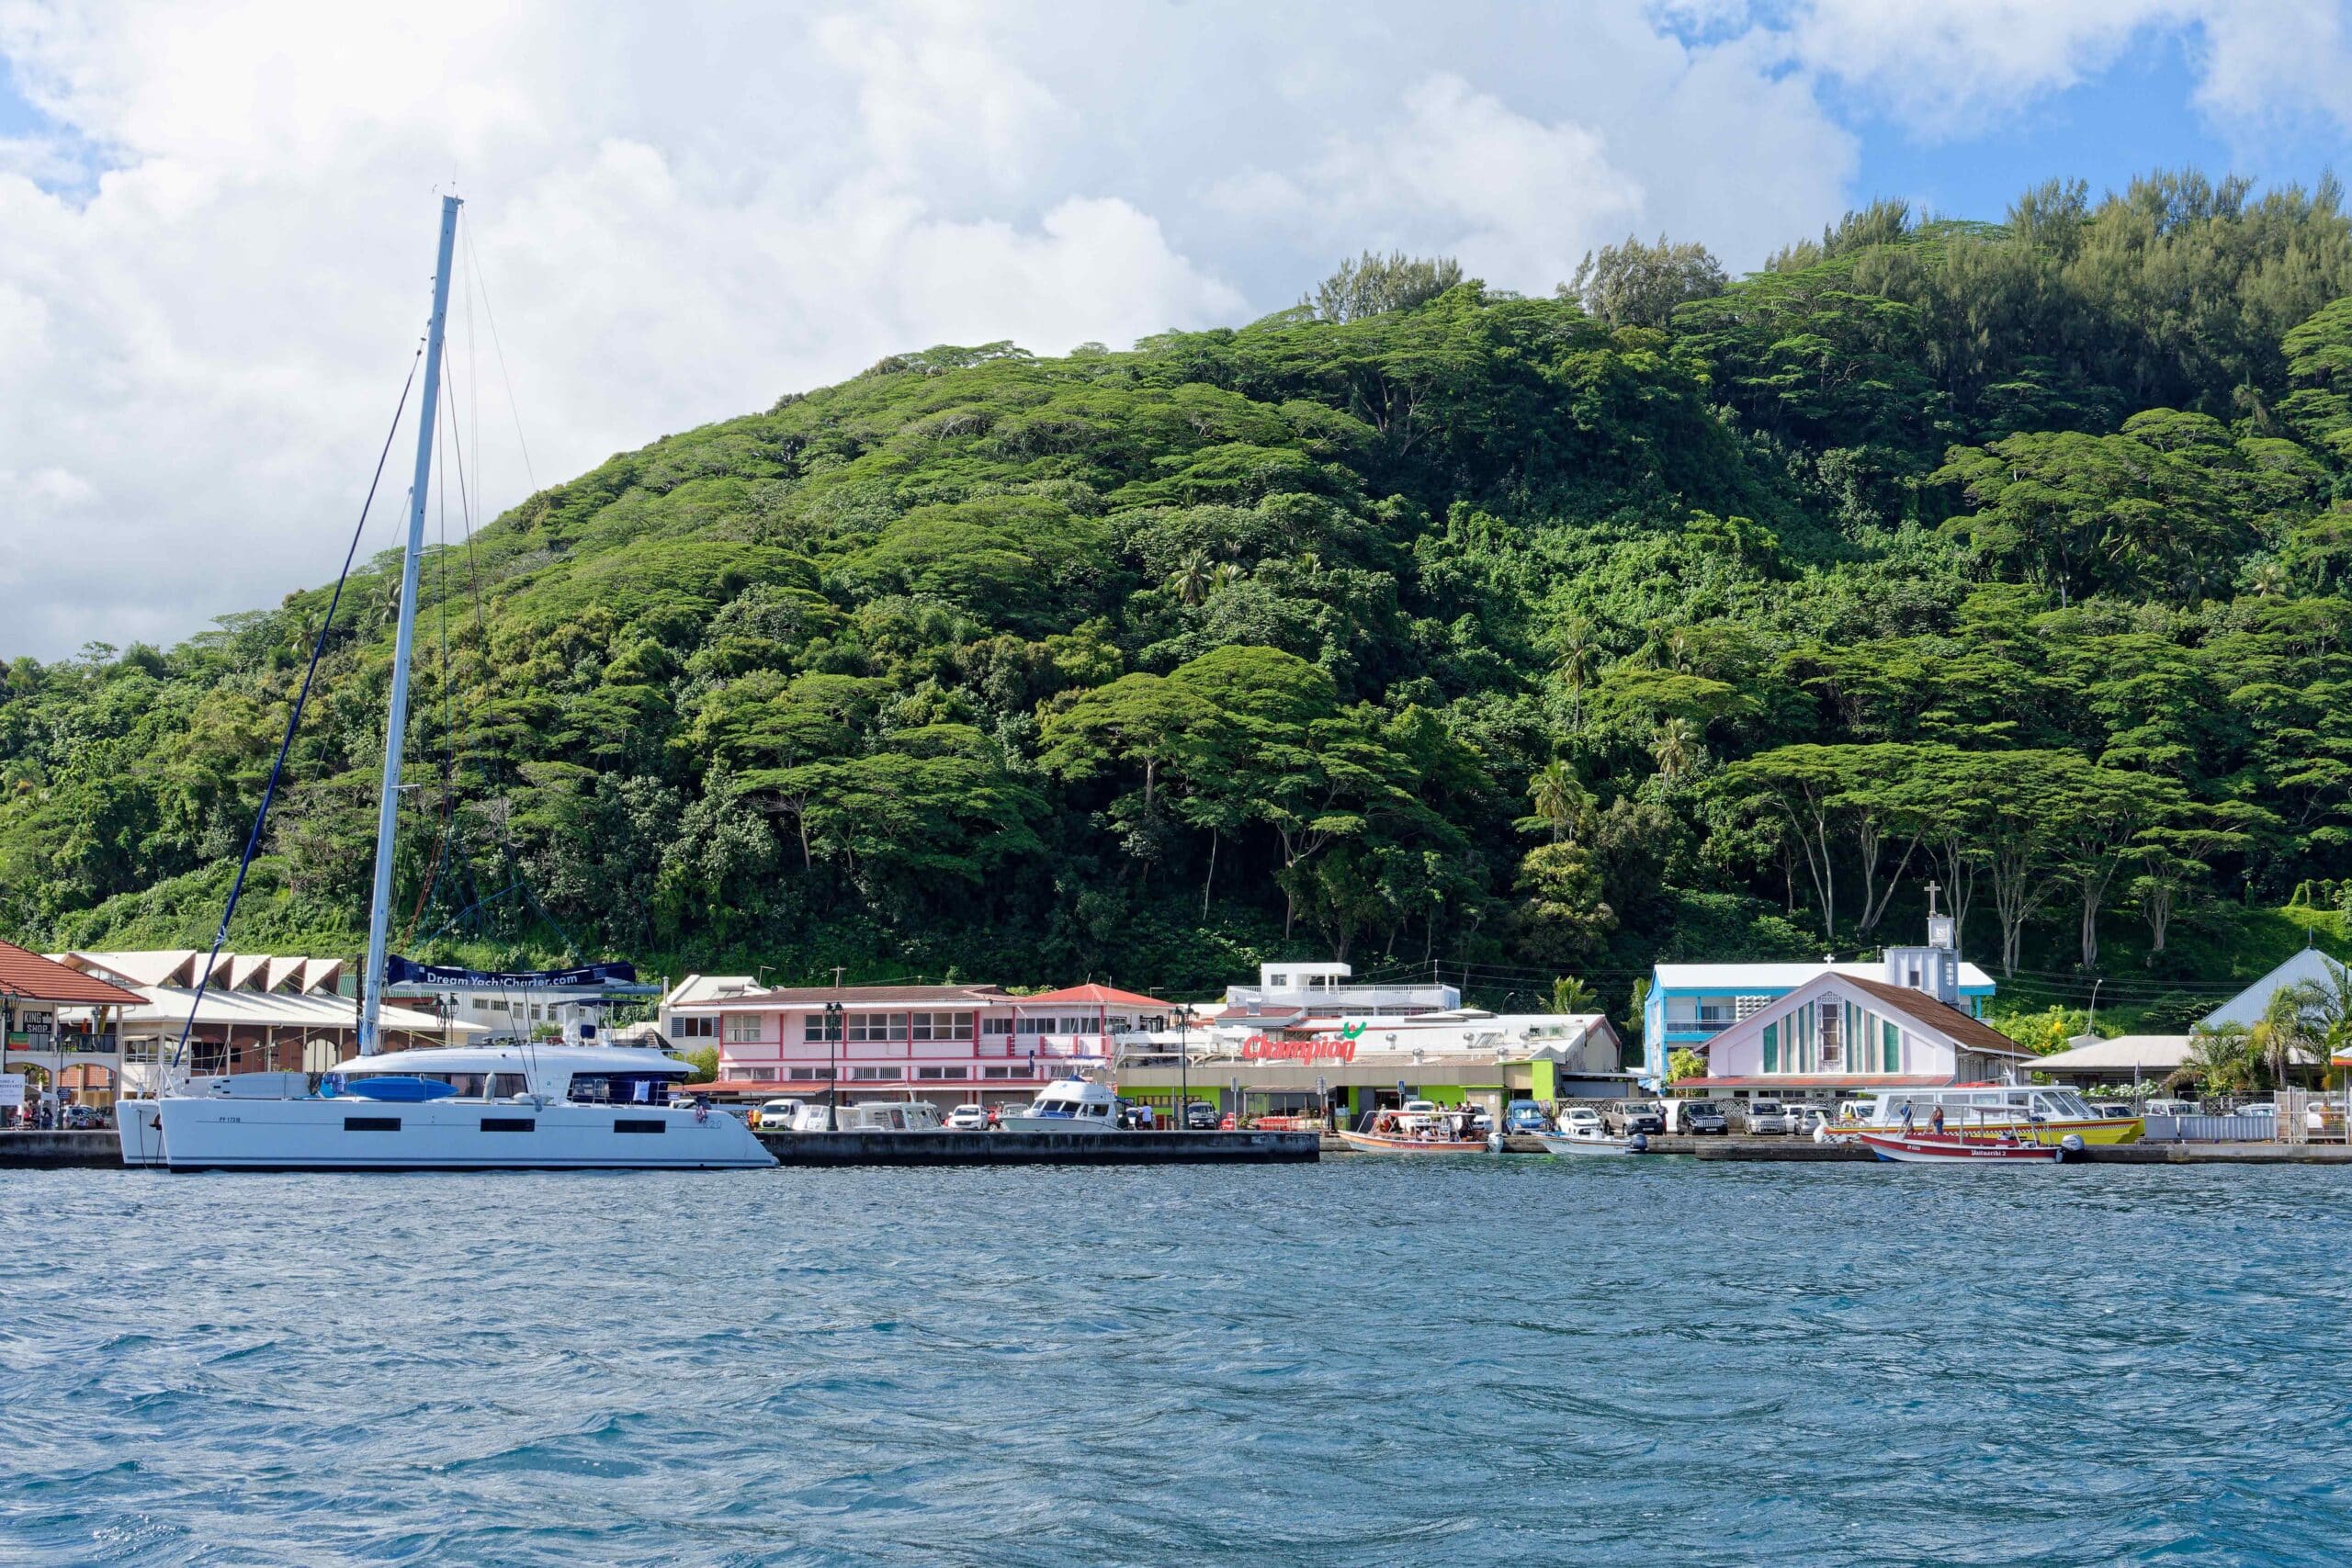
1578, 658
1226, 576
1572, 994
1558, 798
2221, 1061
1674, 746
2323, 1010
1190, 579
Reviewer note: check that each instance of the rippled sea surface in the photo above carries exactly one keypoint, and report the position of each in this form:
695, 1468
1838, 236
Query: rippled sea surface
1483, 1361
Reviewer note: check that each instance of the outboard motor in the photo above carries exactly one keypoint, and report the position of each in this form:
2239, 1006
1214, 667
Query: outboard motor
2071, 1149
1641, 1144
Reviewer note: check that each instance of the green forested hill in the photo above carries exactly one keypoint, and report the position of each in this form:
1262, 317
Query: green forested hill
1667, 616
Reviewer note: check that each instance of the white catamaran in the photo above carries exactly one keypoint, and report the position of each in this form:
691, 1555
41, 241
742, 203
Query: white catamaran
510, 1107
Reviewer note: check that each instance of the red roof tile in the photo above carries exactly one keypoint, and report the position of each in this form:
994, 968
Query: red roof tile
1100, 996
28, 977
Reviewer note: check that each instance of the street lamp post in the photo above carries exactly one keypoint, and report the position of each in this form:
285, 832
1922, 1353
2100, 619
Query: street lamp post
1185, 1068
832, 1066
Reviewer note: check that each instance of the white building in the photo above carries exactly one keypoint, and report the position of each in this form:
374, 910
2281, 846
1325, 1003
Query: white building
2310, 967
1293, 996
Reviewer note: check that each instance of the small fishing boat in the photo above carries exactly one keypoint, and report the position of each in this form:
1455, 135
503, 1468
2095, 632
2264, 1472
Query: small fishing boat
1967, 1148
1584, 1139
1419, 1129
1071, 1105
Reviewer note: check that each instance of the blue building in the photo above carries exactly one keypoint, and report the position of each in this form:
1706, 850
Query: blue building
1690, 1004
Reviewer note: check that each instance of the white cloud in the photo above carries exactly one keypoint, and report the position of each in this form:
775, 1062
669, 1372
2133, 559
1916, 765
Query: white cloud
1946, 67
213, 253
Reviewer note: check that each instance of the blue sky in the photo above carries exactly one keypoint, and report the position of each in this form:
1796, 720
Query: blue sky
2126, 120
684, 208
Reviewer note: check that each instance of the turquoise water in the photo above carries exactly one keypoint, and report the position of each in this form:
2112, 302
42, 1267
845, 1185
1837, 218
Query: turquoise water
1368, 1361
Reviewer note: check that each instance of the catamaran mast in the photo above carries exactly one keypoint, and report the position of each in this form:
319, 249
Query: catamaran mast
380, 908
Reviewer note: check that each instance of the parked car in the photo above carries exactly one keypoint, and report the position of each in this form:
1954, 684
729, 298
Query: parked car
1769, 1117
1701, 1117
775, 1115
1199, 1117
1581, 1119
2258, 1108
1809, 1118
969, 1118
2169, 1108
2117, 1113
1635, 1116
1137, 1117
1524, 1116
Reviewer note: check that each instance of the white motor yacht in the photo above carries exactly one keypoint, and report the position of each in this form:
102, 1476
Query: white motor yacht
1071, 1105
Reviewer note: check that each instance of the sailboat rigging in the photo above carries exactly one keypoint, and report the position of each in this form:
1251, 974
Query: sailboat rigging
512, 1105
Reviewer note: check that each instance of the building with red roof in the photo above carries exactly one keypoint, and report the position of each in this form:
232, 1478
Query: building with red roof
952, 1044
42, 1045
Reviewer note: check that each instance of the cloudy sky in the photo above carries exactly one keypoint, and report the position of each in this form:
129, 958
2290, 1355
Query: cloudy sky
216, 219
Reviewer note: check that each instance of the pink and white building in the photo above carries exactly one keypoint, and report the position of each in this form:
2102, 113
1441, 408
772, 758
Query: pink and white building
947, 1043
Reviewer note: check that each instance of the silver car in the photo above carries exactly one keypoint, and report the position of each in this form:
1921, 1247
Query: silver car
1769, 1116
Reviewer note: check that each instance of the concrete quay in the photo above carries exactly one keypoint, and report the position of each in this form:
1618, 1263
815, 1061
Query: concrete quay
27, 1150
101, 1150
1004, 1147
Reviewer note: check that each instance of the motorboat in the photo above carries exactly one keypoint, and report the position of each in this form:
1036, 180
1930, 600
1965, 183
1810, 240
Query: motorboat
1589, 1138
504, 1107
1068, 1105
870, 1116
1418, 1128
2030, 1110
1969, 1148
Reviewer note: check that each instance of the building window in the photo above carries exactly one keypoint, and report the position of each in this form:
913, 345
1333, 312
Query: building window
872, 1027
996, 1026
809, 1075
1891, 1039
680, 1028
939, 1026
938, 1074
996, 1072
821, 1026
745, 1028
1772, 1047
876, 1075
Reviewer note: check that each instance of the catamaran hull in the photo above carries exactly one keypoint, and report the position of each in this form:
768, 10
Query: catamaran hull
209, 1134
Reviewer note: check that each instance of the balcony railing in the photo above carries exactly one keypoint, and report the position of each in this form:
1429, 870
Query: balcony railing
1348, 999
1705, 1023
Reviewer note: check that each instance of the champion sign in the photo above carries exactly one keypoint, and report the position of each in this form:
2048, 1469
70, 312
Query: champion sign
1258, 1048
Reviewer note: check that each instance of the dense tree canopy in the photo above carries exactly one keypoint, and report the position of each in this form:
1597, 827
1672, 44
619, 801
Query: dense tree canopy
1715, 619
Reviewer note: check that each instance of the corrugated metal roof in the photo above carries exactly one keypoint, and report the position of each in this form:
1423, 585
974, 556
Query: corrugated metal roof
1736, 978
859, 996
2148, 1052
